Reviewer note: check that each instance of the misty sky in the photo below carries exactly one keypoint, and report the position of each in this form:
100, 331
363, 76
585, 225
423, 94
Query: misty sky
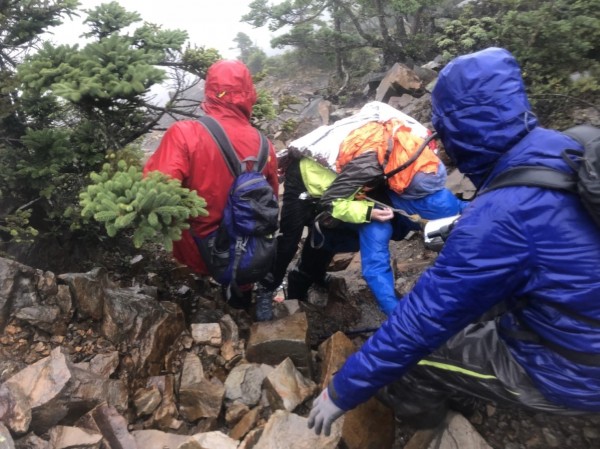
209, 23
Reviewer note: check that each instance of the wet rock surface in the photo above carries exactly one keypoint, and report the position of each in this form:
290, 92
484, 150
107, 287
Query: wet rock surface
216, 379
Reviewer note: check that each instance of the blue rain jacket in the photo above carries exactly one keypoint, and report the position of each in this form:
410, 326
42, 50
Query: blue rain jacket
375, 239
527, 245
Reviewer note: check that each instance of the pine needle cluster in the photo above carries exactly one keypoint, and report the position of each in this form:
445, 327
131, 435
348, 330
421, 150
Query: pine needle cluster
155, 207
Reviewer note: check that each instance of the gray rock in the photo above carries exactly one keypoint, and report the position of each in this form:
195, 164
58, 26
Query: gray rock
244, 384
271, 342
290, 431
287, 388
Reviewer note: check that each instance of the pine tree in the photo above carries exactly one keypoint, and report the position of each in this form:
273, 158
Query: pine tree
68, 108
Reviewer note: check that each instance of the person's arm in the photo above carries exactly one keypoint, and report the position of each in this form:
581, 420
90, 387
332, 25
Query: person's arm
485, 261
172, 155
339, 200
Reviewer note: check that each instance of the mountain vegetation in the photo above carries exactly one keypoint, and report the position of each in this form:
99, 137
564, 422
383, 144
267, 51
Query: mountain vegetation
68, 110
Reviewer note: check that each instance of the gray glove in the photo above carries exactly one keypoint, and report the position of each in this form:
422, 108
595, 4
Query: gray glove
323, 413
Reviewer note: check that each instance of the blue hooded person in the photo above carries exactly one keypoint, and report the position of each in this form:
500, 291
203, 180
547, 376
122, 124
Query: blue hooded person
527, 253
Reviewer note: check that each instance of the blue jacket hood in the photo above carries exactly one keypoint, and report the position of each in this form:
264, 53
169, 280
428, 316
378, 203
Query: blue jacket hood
481, 110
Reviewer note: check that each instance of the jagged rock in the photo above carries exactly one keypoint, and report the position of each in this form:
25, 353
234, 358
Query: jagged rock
456, 432
113, 427
165, 416
231, 351
47, 391
371, 424
340, 261
271, 342
287, 388
245, 424
420, 109
207, 334
117, 394
156, 439
232, 348
46, 284
9, 367
286, 308
31, 441
32, 296
371, 82
209, 440
311, 116
342, 113
87, 290
192, 372
154, 326
146, 400
398, 80
198, 397
285, 429
244, 383
425, 74
235, 412
402, 102
229, 329
317, 296
251, 439
333, 352
6, 441
44, 317
66, 437
105, 364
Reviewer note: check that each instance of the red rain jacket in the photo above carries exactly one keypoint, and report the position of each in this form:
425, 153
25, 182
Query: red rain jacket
187, 152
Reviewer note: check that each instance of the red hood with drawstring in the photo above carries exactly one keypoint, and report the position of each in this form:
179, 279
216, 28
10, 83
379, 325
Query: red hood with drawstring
187, 152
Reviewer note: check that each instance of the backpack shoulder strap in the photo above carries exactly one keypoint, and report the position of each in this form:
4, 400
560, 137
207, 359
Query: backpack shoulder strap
263, 153
231, 158
533, 176
216, 131
413, 158
587, 135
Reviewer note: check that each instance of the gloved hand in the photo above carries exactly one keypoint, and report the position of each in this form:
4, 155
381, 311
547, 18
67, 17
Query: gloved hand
323, 413
382, 215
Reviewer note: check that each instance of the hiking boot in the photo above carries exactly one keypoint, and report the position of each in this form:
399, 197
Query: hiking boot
264, 304
298, 285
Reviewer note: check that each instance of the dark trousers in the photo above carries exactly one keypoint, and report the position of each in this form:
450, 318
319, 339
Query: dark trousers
321, 245
296, 213
475, 362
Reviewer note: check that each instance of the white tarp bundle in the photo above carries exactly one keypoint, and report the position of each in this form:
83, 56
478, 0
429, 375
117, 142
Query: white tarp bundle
323, 143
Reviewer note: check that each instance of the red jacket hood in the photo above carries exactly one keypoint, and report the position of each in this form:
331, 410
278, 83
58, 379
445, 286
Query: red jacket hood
229, 88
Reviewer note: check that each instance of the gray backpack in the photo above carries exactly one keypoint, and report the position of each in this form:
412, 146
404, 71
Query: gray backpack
584, 181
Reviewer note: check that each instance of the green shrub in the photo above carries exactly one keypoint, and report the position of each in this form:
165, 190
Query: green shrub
154, 207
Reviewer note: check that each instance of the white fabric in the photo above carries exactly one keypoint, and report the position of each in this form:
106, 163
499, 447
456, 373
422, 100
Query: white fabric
323, 143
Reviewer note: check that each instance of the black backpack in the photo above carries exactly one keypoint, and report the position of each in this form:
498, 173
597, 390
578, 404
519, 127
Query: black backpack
242, 249
585, 181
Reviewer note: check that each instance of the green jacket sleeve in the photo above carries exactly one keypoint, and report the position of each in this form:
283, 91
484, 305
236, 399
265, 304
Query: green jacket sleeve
339, 200
352, 211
